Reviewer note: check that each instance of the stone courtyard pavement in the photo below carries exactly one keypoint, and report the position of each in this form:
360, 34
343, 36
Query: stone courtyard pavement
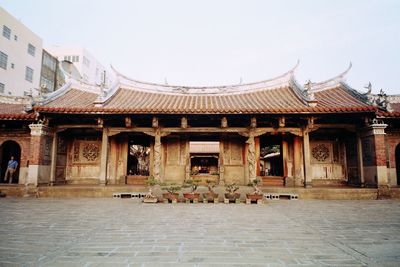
124, 232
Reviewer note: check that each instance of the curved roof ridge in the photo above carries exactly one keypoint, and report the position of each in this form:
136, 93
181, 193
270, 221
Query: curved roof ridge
57, 93
332, 82
360, 96
279, 81
70, 85
299, 91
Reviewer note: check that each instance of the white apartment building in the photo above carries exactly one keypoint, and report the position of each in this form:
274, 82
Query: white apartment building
90, 69
20, 57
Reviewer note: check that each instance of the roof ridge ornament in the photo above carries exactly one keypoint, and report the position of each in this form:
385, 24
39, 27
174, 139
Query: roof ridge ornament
332, 82
312, 102
279, 81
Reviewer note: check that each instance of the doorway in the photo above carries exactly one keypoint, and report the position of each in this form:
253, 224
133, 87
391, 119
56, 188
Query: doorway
8, 149
204, 160
271, 160
138, 167
397, 156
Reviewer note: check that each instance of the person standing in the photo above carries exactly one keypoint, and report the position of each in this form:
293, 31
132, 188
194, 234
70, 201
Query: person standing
11, 168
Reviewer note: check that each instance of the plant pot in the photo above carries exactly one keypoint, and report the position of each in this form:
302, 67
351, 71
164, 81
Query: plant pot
254, 197
150, 200
170, 196
232, 197
210, 196
191, 196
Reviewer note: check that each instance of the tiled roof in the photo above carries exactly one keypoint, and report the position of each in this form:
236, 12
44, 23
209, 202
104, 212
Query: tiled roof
74, 98
14, 112
340, 98
396, 107
279, 95
277, 100
253, 102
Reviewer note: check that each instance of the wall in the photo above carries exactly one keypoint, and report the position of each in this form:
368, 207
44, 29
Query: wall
175, 157
392, 140
83, 162
327, 161
234, 153
22, 137
117, 160
17, 52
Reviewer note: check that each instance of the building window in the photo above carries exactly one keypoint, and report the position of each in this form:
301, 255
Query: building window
2, 88
15, 38
86, 62
75, 58
3, 60
29, 74
12, 65
6, 32
31, 50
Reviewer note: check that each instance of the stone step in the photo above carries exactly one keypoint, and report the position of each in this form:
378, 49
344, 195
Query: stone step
278, 196
129, 195
273, 181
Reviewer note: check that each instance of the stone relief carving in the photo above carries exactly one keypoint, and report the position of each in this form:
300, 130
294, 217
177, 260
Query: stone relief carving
320, 152
91, 151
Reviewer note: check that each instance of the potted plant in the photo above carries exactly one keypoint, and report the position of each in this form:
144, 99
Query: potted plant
192, 184
172, 194
257, 193
231, 195
150, 198
210, 195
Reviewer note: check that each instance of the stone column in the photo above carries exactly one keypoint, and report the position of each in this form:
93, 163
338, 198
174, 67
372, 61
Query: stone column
360, 163
40, 154
221, 180
251, 157
104, 157
307, 160
157, 155
374, 155
298, 161
53, 159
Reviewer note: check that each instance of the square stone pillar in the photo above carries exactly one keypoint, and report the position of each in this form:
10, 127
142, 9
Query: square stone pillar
39, 154
374, 155
307, 160
53, 159
298, 161
360, 162
104, 158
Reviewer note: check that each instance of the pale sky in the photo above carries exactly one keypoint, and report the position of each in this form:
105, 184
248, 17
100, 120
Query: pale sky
211, 42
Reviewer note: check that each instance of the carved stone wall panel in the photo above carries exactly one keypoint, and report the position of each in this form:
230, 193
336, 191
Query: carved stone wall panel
227, 153
236, 152
173, 152
368, 151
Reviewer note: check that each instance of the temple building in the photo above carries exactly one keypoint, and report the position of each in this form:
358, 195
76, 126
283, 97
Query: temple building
287, 134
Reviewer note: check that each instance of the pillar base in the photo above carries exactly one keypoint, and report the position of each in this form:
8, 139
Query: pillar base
308, 185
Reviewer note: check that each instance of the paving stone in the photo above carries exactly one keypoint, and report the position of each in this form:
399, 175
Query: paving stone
108, 232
